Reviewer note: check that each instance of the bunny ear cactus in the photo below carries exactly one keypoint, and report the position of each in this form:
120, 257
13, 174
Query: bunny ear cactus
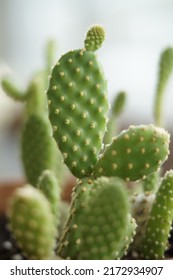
48, 183
76, 87
165, 70
106, 220
70, 238
32, 223
13, 91
37, 149
128, 237
135, 153
107, 231
151, 183
117, 108
159, 223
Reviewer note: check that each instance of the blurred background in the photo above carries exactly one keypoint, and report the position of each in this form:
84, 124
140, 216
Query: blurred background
137, 32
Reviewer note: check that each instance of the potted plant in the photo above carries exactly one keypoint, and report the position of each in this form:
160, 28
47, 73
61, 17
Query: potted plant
105, 221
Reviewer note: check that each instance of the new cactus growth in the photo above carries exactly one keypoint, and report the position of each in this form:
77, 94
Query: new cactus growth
104, 221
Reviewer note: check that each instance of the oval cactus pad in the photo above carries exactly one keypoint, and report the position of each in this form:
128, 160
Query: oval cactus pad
136, 153
78, 109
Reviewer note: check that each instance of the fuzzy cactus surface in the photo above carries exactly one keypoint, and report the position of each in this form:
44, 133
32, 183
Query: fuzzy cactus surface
136, 153
37, 148
165, 70
157, 230
106, 220
32, 223
151, 183
69, 245
116, 110
76, 87
48, 183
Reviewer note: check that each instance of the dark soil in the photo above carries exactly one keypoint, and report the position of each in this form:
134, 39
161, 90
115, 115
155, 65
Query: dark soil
8, 247
10, 251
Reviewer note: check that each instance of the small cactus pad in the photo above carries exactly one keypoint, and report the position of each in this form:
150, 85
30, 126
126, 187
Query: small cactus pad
12, 91
119, 103
78, 106
104, 221
37, 149
94, 38
36, 102
47, 182
151, 183
159, 224
136, 153
165, 70
70, 239
32, 223
116, 110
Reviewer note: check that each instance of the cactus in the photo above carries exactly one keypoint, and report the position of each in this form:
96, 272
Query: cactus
103, 221
32, 223
76, 87
151, 183
116, 110
36, 134
134, 154
106, 220
37, 149
48, 183
70, 239
128, 237
157, 230
165, 70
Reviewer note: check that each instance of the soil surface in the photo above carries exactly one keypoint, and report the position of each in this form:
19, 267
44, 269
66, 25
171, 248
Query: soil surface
8, 247
10, 251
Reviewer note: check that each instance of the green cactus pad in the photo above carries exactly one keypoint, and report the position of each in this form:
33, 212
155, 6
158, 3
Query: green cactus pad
36, 102
154, 244
37, 148
165, 70
128, 237
94, 38
104, 221
47, 182
32, 223
151, 183
70, 240
78, 106
117, 108
12, 91
135, 153
119, 103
